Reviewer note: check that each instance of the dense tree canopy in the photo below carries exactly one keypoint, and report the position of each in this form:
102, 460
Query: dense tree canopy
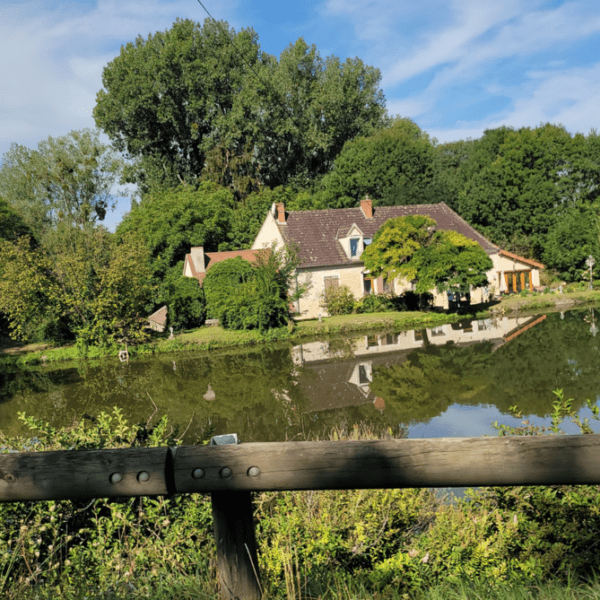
68, 178
172, 220
82, 284
394, 165
536, 174
411, 248
205, 101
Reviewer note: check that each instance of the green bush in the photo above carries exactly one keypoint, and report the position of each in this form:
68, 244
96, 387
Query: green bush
338, 300
385, 543
252, 296
374, 303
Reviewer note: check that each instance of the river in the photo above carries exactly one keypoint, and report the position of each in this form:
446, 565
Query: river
450, 380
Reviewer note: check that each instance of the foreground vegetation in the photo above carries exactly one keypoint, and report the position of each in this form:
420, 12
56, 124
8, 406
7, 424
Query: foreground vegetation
523, 542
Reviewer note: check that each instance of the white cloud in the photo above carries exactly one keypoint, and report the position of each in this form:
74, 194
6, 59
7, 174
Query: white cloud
568, 97
52, 56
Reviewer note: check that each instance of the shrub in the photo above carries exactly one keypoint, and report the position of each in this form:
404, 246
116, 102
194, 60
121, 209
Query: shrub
338, 300
375, 303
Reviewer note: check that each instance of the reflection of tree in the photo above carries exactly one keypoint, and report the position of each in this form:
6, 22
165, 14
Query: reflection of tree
263, 396
431, 379
553, 354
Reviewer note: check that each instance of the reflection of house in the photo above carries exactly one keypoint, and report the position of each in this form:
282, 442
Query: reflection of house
499, 331
330, 243
330, 383
198, 262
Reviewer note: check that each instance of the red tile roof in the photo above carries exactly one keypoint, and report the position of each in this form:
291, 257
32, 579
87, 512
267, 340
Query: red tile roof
528, 261
212, 258
316, 232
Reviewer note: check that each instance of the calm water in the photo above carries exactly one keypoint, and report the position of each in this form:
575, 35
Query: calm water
452, 380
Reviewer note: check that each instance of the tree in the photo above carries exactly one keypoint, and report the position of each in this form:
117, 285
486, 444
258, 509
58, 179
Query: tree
537, 173
171, 221
394, 164
203, 101
246, 296
68, 178
84, 284
571, 240
411, 248
395, 244
164, 98
184, 298
12, 225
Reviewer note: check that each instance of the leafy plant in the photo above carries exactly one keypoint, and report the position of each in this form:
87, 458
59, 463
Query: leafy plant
338, 300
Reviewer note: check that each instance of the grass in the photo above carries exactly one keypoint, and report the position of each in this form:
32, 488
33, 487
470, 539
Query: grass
215, 337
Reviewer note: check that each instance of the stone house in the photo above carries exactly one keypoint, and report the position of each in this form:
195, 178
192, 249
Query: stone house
330, 243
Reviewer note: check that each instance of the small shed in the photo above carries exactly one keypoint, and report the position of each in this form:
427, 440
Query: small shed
158, 320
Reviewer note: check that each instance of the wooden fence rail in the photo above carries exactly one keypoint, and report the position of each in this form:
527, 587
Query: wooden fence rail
231, 472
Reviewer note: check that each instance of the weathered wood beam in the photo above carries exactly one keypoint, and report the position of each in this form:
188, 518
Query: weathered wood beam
440, 462
73, 474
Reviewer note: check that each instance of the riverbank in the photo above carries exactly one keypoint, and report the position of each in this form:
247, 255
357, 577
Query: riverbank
215, 337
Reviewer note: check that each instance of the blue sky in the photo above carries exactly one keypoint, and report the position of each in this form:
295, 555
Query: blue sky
456, 67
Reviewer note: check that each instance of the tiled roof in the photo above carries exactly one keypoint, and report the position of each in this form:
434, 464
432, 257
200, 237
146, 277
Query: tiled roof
212, 258
160, 316
528, 261
315, 231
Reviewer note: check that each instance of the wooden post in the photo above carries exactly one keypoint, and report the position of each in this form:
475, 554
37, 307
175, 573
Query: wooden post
233, 522
237, 559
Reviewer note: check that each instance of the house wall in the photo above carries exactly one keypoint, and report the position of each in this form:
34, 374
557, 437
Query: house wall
269, 233
502, 264
314, 279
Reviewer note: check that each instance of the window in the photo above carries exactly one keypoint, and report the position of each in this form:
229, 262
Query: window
333, 281
388, 286
368, 284
354, 247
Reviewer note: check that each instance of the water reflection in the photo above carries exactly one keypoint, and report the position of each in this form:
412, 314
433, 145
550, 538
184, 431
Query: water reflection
447, 378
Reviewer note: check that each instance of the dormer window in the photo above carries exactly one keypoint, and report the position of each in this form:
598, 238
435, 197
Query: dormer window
354, 242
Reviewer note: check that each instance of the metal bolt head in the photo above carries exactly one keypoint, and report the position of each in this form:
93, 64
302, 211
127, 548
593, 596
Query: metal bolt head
198, 473
226, 472
143, 476
116, 478
253, 472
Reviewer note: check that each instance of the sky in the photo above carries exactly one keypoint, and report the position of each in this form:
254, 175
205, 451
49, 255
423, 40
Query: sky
456, 67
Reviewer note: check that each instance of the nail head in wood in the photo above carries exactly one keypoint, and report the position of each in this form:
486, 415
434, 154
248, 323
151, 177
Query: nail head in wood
143, 476
198, 473
116, 478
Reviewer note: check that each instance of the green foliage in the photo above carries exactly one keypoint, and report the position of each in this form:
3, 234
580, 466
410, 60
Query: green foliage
185, 103
338, 300
68, 178
536, 174
376, 303
245, 296
570, 241
410, 248
171, 221
225, 288
393, 165
184, 298
12, 225
81, 282
395, 244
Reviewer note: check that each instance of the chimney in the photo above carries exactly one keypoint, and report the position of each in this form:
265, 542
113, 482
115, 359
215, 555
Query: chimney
366, 205
198, 258
280, 213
